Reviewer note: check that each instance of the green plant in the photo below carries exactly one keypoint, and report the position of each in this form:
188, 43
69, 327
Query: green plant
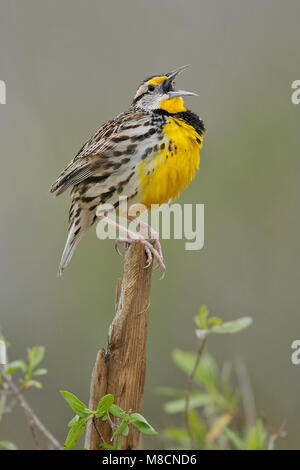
105, 408
29, 370
210, 404
11, 394
211, 410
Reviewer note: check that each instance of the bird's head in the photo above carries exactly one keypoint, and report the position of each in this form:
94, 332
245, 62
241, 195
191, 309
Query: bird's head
158, 93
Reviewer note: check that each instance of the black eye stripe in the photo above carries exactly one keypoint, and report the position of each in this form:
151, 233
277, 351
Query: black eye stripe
139, 97
143, 94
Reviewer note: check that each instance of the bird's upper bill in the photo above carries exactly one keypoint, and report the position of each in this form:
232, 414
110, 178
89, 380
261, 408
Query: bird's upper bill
158, 92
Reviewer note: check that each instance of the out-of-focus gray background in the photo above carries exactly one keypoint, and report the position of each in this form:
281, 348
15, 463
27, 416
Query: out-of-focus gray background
71, 65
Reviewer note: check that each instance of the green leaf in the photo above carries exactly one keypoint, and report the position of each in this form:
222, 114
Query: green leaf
104, 404
8, 445
33, 383
198, 427
170, 392
257, 437
76, 405
119, 445
108, 447
122, 429
178, 406
232, 326
176, 434
39, 372
111, 447
73, 421
116, 411
14, 366
214, 321
207, 370
144, 428
36, 355
238, 443
201, 319
76, 432
138, 421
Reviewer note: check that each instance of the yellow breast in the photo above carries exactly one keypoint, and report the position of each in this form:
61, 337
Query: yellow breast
173, 167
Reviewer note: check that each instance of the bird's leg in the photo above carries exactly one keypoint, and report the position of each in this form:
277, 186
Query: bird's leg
147, 232
132, 237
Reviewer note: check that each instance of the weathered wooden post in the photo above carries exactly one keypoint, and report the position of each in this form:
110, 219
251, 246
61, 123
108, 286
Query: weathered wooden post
121, 368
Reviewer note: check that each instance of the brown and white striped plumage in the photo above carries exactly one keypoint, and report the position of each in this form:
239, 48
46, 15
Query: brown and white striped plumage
129, 156
106, 168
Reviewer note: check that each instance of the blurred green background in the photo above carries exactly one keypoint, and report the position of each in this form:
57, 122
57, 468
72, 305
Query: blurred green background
71, 65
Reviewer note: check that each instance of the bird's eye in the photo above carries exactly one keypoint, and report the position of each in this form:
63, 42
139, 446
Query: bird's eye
151, 87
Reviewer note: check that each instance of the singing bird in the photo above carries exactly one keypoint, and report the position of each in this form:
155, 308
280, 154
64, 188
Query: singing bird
148, 154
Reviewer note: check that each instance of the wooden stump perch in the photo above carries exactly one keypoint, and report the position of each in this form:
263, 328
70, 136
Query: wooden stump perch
120, 370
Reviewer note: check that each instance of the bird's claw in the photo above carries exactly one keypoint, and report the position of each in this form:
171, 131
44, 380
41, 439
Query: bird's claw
152, 252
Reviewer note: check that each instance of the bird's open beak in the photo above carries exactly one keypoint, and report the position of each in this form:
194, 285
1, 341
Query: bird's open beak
168, 84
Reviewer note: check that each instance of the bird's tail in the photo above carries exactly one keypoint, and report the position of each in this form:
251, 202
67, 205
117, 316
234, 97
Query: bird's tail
71, 243
80, 221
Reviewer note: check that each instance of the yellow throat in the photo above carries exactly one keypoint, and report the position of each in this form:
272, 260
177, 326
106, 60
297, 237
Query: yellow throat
175, 164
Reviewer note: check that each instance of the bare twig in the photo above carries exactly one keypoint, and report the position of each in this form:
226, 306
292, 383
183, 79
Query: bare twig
113, 427
31, 416
97, 430
111, 423
32, 429
277, 434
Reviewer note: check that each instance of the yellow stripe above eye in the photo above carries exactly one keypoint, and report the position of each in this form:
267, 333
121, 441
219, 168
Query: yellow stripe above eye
156, 80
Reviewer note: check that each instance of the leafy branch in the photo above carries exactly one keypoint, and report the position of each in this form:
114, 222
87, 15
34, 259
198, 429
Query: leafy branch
208, 389
8, 388
216, 426
105, 409
205, 327
35, 356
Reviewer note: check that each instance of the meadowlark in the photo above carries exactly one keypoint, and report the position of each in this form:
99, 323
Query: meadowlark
148, 154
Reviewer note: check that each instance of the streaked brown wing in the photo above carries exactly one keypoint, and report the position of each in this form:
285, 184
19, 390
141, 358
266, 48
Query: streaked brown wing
76, 172
94, 154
